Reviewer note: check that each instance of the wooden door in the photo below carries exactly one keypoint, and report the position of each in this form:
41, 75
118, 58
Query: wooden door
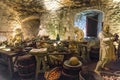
91, 26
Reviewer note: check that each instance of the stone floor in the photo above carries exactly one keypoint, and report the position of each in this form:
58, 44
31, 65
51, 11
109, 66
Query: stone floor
91, 65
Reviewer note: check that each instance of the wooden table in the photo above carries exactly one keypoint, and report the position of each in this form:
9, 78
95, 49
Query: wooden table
9, 55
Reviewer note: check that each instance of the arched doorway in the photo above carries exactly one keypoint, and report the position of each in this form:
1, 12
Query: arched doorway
90, 21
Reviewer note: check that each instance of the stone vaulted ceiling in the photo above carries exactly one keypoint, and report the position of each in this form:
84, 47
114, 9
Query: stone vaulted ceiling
37, 6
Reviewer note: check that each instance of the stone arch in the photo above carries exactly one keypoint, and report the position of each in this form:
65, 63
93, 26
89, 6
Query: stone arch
80, 19
30, 26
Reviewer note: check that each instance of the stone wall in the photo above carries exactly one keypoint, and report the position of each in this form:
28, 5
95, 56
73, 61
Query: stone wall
114, 17
11, 19
8, 18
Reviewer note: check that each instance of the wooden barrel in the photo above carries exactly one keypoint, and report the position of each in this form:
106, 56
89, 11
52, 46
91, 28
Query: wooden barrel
26, 67
71, 72
94, 53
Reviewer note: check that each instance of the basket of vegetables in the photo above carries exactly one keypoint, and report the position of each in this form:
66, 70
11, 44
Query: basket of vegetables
53, 74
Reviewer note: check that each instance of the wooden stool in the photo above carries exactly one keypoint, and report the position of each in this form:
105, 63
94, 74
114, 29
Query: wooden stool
40, 59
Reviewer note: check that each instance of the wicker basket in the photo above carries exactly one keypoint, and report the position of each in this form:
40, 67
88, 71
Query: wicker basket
53, 74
